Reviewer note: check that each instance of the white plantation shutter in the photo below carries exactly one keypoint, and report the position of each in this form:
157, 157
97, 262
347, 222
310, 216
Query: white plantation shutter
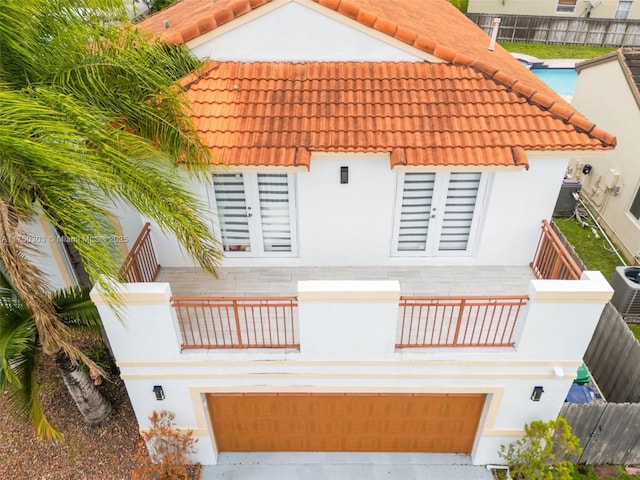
273, 193
232, 211
417, 196
459, 208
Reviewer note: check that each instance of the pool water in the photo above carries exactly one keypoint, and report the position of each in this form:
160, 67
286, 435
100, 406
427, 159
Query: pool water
562, 80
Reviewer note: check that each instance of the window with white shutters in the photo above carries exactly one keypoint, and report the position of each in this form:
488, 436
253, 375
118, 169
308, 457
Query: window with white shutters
275, 215
458, 211
255, 213
233, 214
417, 196
437, 213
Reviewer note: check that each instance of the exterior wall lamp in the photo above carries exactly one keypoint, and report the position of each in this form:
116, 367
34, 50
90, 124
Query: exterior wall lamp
344, 175
537, 393
157, 389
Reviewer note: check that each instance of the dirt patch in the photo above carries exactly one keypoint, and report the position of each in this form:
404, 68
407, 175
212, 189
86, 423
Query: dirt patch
87, 453
606, 471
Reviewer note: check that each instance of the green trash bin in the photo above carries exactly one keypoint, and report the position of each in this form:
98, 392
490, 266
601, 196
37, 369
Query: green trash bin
583, 375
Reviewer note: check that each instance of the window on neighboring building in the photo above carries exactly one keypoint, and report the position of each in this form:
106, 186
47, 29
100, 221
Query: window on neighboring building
438, 213
255, 212
635, 205
622, 12
566, 6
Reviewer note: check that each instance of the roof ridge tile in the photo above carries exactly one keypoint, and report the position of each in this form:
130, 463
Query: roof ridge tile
405, 35
423, 43
583, 123
348, 8
523, 89
604, 136
445, 53
386, 26
332, 4
240, 7
366, 17
542, 100
224, 15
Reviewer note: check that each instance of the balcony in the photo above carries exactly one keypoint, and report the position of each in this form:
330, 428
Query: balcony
438, 306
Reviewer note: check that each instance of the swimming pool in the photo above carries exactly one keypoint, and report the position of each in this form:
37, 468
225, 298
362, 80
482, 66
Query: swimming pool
562, 80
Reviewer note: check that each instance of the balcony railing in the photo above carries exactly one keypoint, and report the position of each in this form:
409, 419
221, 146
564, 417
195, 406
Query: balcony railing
237, 322
458, 321
552, 260
141, 264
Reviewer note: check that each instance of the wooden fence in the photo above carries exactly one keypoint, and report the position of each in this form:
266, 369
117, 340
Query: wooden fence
599, 32
609, 433
613, 357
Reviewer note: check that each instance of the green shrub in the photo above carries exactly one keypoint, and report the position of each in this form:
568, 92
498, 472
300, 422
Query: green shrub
534, 457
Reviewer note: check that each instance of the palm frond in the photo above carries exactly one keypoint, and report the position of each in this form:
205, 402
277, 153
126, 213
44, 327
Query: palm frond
76, 309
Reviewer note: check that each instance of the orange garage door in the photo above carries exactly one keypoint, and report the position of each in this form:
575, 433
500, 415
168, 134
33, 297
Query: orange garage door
345, 422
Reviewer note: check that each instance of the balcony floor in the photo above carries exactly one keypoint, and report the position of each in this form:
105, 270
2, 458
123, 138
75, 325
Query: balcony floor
274, 281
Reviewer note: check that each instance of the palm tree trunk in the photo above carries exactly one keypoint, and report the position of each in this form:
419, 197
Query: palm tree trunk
95, 409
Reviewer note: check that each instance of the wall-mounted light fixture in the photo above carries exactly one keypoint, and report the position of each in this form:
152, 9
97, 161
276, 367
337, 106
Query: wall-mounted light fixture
586, 170
157, 389
344, 174
537, 393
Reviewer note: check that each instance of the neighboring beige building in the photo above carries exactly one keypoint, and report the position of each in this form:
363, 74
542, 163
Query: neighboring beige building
608, 91
619, 9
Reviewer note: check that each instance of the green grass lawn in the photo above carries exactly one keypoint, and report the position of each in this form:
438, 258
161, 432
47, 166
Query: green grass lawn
590, 474
540, 50
594, 252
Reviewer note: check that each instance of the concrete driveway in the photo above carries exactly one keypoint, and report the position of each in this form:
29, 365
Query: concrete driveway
344, 466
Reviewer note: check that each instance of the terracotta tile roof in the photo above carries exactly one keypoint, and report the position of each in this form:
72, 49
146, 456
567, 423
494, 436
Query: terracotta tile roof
631, 58
270, 113
426, 25
188, 19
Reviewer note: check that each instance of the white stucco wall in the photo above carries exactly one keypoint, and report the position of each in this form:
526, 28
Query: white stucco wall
44, 244
353, 224
129, 220
294, 32
554, 332
517, 204
603, 95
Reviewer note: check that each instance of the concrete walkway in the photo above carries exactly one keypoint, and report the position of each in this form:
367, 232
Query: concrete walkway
344, 466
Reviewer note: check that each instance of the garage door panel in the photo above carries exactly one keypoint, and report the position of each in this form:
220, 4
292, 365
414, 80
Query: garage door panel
342, 422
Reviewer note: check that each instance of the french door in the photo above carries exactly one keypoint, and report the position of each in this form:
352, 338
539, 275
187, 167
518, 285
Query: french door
437, 213
255, 213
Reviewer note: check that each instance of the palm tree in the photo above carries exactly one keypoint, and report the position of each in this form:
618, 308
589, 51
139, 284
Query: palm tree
20, 352
90, 115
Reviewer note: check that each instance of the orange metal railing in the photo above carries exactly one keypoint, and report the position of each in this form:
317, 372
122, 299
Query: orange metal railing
237, 322
458, 321
141, 264
552, 260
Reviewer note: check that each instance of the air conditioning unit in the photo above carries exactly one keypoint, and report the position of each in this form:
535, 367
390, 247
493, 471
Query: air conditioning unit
626, 291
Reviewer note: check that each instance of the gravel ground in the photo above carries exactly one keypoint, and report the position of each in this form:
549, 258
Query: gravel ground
101, 453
